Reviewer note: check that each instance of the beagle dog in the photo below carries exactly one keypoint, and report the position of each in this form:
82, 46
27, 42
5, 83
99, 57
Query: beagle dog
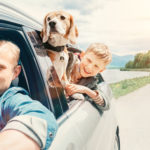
58, 31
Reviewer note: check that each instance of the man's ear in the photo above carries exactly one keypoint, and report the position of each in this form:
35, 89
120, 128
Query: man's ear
17, 71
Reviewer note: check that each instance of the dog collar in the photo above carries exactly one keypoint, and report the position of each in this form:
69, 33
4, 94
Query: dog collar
57, 48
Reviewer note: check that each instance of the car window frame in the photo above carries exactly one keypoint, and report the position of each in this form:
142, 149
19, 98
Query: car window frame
16, 29
61, 106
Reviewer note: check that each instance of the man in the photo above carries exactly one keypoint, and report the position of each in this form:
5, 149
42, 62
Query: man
25, 124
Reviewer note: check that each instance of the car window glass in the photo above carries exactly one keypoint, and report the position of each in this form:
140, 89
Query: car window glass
48, 71
9, 35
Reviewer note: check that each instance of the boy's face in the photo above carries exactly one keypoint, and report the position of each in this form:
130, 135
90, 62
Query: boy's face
91, 65
8, 70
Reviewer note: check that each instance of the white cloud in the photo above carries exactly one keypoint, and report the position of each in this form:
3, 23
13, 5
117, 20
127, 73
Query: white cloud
124, 25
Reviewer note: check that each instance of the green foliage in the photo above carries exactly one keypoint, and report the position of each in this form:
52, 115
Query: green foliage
129, 64
135, 69
141, 60
126, 86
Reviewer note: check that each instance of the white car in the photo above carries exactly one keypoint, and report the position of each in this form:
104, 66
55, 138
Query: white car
81, 125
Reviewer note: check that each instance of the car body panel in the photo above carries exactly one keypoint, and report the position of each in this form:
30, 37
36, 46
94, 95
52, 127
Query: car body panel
14, 15
92, 129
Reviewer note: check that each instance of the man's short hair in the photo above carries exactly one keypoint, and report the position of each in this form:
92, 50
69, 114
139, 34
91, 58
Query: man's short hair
11, 47
101, 51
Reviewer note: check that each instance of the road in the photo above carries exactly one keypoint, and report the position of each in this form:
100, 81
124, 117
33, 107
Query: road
133, 112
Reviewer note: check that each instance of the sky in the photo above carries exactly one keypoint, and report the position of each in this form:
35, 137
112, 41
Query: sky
123, 25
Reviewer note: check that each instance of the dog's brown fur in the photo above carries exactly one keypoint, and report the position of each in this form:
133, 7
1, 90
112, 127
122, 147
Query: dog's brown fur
65, 32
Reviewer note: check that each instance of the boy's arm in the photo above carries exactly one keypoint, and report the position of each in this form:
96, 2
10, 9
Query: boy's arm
95, 95
101, 96
105, 92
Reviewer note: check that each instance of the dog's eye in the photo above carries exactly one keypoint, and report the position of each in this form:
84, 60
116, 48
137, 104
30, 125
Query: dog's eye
48, 18
62, 17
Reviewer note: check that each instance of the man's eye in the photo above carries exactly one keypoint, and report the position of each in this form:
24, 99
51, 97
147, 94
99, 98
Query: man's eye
62, 17
48, 18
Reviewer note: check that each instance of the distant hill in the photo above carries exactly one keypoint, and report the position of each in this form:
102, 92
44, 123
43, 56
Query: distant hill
119, 61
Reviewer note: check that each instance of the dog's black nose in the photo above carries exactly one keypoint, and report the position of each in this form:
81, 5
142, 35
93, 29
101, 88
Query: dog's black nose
52, 24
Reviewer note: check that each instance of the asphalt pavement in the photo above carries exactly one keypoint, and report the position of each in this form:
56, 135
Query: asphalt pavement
133, 112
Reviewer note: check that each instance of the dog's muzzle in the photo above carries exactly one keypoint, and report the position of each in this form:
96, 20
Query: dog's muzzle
52, 24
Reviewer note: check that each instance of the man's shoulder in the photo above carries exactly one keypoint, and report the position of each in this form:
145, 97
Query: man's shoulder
18, 102
12, 91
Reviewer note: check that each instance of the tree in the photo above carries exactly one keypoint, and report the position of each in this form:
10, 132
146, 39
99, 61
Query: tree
141, 60
129, 64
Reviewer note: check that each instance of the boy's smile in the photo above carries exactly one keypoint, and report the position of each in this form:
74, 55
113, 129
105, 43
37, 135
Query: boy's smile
91, 65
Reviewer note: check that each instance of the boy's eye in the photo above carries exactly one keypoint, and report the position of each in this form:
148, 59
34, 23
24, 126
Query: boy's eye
2, 67
96, 66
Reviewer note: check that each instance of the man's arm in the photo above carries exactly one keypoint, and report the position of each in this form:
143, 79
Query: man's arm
30, 117
15, 140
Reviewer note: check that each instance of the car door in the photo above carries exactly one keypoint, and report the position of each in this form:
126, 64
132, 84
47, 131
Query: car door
81, 125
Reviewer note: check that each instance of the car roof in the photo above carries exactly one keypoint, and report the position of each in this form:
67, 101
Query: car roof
12, 14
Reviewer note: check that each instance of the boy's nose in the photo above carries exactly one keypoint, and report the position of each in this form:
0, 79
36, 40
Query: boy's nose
89, 68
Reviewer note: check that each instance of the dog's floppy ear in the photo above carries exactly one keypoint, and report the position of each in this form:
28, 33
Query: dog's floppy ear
73, 31
45, 31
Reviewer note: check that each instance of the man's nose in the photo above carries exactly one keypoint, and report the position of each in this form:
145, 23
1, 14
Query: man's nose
52, 24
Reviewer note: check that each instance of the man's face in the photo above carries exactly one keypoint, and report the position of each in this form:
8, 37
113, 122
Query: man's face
91, 65
7, 70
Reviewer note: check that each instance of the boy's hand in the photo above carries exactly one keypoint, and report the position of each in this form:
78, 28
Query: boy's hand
74, 88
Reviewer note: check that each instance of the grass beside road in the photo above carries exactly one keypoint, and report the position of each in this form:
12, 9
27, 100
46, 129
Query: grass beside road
126, 86
139, 69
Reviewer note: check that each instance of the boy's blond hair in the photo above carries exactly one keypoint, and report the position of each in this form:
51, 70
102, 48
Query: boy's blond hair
10, 48
101, 51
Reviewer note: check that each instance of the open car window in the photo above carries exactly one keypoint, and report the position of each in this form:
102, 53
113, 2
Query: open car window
30, 77
52, 81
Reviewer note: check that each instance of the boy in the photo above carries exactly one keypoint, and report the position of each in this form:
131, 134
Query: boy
84, 75
25, 124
